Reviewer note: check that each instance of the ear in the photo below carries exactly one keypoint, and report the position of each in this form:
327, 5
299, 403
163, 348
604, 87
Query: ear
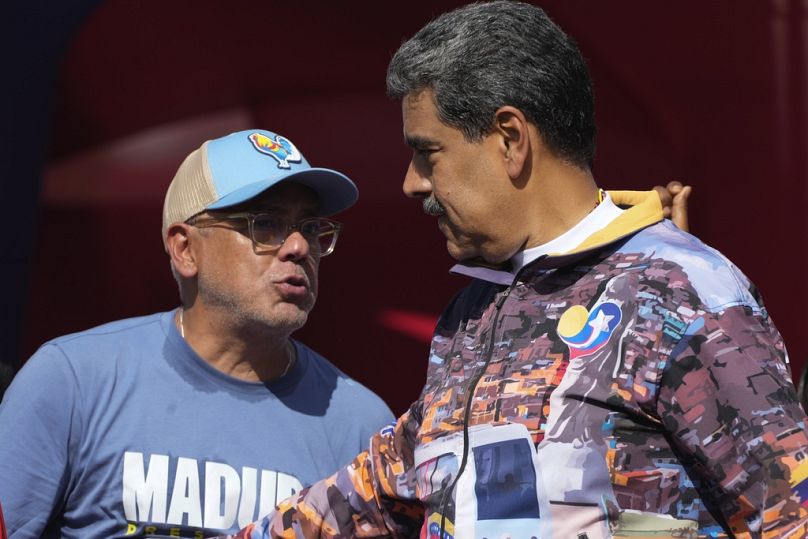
512, 126
182, 249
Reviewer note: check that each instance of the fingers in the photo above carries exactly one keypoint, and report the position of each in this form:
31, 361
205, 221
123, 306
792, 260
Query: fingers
674, 197
666, 197
679, 206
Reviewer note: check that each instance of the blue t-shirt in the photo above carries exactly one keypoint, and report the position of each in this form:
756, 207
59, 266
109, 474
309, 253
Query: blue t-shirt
123, 431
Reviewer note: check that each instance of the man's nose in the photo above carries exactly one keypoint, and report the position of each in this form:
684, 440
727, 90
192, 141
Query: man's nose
295, 247
416, 184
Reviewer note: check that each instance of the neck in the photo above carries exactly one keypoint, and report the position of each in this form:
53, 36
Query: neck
251, 354
562, 197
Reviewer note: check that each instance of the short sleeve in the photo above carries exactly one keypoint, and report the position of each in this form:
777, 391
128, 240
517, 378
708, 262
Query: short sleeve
38, 421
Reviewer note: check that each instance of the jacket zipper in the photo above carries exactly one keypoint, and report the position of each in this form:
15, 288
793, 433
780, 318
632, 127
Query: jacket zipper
467, 412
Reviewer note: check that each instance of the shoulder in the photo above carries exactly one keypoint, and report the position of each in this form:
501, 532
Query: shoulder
349, 396
117, 334
684, 262
85, 353
128, 327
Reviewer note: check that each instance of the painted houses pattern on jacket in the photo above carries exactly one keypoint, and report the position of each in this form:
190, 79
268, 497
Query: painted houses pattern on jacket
636, 387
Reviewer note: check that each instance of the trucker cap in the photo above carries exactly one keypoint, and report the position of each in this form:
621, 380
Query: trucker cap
230, 170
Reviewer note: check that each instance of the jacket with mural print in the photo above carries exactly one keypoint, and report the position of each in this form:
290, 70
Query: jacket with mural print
633, 387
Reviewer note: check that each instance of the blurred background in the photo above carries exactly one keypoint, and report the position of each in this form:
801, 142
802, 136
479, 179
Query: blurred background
103, 99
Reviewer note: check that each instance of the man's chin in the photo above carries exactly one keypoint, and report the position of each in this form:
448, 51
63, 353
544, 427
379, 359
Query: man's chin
289, 323
289, 316
467, 255
459, 253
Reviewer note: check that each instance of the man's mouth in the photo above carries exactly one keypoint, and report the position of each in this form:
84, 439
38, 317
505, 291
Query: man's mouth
293, 286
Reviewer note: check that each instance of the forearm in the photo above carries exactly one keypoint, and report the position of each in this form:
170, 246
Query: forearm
374, 496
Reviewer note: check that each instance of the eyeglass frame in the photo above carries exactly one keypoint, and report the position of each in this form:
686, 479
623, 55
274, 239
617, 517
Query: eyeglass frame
251, 216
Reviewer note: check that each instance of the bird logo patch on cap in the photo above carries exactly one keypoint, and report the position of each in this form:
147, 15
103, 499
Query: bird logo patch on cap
281, 149
586, 333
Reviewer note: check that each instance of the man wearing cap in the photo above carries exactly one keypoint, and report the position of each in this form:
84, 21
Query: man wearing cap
119, 430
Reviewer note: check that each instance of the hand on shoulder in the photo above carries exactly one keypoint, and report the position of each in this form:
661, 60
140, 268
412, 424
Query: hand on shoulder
674, 198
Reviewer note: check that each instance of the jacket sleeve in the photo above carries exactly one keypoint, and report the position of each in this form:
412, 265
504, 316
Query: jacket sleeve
374, 496
732, 415
37, 425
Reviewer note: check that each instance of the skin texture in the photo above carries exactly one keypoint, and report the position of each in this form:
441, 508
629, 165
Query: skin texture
494, 197
241, 306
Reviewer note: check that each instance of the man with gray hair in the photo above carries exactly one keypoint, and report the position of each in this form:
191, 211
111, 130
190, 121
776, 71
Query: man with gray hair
604, 374
115, 431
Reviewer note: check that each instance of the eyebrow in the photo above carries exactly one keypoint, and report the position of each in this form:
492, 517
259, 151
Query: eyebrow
416, 141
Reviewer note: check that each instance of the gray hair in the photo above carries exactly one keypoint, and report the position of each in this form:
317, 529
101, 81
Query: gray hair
483, 56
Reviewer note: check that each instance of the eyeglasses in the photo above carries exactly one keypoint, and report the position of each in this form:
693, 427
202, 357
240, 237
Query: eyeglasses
268, 232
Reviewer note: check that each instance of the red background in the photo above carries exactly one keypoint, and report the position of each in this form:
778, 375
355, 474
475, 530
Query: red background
710, 93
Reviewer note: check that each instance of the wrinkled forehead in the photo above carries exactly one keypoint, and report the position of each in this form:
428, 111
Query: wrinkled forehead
286, 198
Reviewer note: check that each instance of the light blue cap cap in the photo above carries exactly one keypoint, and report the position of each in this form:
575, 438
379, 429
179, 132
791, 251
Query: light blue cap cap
235, 168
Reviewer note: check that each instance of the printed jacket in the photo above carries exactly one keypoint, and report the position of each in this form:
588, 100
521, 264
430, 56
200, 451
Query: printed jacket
634, 387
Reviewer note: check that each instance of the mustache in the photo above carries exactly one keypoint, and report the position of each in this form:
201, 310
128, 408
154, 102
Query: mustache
433, 207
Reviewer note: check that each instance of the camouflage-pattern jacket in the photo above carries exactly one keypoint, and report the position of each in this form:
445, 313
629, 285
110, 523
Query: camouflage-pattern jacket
635, 387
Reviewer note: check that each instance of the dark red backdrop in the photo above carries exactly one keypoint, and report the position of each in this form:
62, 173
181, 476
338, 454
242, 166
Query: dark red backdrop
708, 93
